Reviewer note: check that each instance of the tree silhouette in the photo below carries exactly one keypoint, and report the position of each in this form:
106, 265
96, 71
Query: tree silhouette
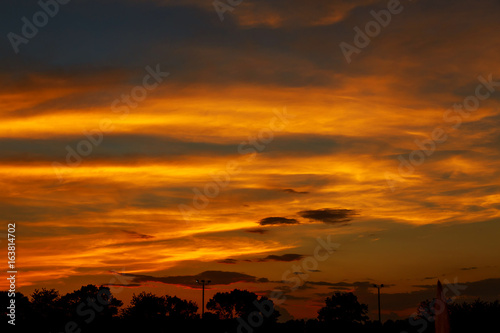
45, 297
241, 303
46, 304
91, 302
146, 306
47, 308
180, 309
343, 307
22, 306
229, 305
478, 316
94, 309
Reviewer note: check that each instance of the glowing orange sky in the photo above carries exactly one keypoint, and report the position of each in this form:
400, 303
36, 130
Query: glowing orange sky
119, 209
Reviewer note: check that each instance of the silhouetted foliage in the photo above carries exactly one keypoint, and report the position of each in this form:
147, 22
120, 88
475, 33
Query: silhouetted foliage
478, 316
425, 310
343, 307
180, 309
464, 316
46, 304
41, 299
147, 306
241, 303
92, 303
229, 305
23, 307
94, 309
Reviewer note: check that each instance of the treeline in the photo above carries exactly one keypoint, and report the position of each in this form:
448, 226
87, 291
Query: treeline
95, 309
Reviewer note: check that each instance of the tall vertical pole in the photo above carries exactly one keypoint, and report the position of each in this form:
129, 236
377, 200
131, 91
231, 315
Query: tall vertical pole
378, 286
203, 282
379, 318
203, 300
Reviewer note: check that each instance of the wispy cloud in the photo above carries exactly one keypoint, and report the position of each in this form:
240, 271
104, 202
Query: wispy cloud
278, 221
328, 215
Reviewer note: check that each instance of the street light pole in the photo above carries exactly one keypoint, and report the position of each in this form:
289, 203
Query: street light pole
378, 288
203, 282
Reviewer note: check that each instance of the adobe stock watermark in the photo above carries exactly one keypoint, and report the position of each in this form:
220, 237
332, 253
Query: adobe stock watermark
322, 252
433, 310
122, 106
455, 116
265, 308
372, 29
29, 29
222, 6
11, 272
221, 179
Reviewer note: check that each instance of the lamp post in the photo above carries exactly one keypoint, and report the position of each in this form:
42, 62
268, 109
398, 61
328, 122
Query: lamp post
378, 288
203, 283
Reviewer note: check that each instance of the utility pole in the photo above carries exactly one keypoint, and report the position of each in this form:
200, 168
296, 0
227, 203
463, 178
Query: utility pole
203, 283
378, 288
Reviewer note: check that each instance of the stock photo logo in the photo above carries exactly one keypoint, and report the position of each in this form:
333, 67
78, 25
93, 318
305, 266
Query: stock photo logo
456, 115
48, 9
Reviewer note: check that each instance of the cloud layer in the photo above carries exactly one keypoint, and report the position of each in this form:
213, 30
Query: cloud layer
268, 135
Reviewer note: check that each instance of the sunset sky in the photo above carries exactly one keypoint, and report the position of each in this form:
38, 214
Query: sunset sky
145, 144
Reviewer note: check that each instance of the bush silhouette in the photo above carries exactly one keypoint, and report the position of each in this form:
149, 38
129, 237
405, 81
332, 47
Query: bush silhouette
343, 307
147, 306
